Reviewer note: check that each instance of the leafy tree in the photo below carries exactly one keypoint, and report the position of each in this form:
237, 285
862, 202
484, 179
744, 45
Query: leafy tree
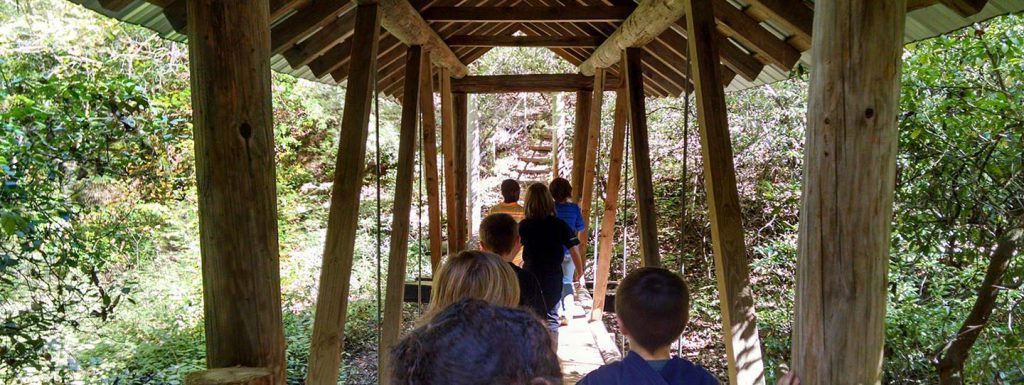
82, 139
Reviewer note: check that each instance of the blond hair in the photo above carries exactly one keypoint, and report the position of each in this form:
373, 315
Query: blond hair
473, 274
539, 202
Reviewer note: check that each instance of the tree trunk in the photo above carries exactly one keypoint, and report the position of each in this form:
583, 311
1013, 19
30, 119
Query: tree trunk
950, 363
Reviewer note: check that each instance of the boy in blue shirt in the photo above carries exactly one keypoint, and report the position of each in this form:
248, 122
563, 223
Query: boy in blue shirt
653, 308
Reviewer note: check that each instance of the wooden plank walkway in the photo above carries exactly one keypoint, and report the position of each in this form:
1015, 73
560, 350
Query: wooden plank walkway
580, 346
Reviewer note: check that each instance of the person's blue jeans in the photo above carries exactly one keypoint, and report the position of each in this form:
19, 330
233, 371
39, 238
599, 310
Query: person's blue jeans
568, 272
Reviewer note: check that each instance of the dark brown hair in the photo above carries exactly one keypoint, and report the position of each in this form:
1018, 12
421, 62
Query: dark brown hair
560, 189
474, 343
498, 233
653, 304
539, 203
510, 190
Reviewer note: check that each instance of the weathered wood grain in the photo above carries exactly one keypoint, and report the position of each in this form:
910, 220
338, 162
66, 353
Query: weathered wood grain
848, 188
611, 205
398, 251
429, 146
646, 209
229, 58
343, 217
736, 299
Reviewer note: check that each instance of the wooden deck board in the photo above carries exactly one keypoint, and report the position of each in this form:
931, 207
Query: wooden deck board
577, 348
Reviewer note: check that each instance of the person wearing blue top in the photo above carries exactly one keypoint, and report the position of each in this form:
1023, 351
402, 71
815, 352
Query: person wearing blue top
653, 307
568, 212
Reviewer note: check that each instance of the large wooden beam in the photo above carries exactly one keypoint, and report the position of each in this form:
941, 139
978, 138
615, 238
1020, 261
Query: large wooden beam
739, 323
579, 142
650, 19
793, 15
448, 152
343, 218
527, 14
646, 209
460, 102
229, 58
333, 33
406, 24
590, 165
611, 206
231, 376
429, 146
524, 41
398, 252
848, 188
115, 5
734, 23
488, 84
306, 21
965, 8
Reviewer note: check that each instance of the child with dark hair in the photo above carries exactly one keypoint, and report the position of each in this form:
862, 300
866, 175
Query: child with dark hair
510, 200
653, 308
499, 234
510, 205
474, 343
572, 265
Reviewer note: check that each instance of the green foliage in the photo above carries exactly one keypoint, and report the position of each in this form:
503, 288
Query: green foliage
84, 141
961, 186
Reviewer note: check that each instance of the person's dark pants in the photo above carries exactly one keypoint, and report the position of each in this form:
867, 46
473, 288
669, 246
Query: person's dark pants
551, 288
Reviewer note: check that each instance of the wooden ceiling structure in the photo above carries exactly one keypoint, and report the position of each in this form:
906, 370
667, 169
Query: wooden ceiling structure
761, 40
658, 48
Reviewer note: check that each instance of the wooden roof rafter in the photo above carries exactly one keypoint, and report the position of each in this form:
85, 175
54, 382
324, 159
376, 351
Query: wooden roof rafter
760, 40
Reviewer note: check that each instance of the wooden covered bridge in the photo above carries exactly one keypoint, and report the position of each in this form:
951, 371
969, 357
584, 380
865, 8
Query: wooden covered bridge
653, 48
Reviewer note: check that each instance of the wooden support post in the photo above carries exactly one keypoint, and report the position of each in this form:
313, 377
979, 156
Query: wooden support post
611, 205
739, 323
231, 376
586, 186
448, 151
849, 182
399, 250
343, 218
556, 133
234, 144
646, 210
430, 162
579, 142
461, 113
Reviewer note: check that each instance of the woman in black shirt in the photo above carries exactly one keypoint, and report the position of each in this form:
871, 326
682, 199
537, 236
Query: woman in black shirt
543, 236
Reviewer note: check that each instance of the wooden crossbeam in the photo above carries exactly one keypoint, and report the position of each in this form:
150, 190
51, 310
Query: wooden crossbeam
568, 14
304, 22
491, 84
524, 41
406, 24
332, 34
793, 15
115, 5
734, 23
648, 21
965, 8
